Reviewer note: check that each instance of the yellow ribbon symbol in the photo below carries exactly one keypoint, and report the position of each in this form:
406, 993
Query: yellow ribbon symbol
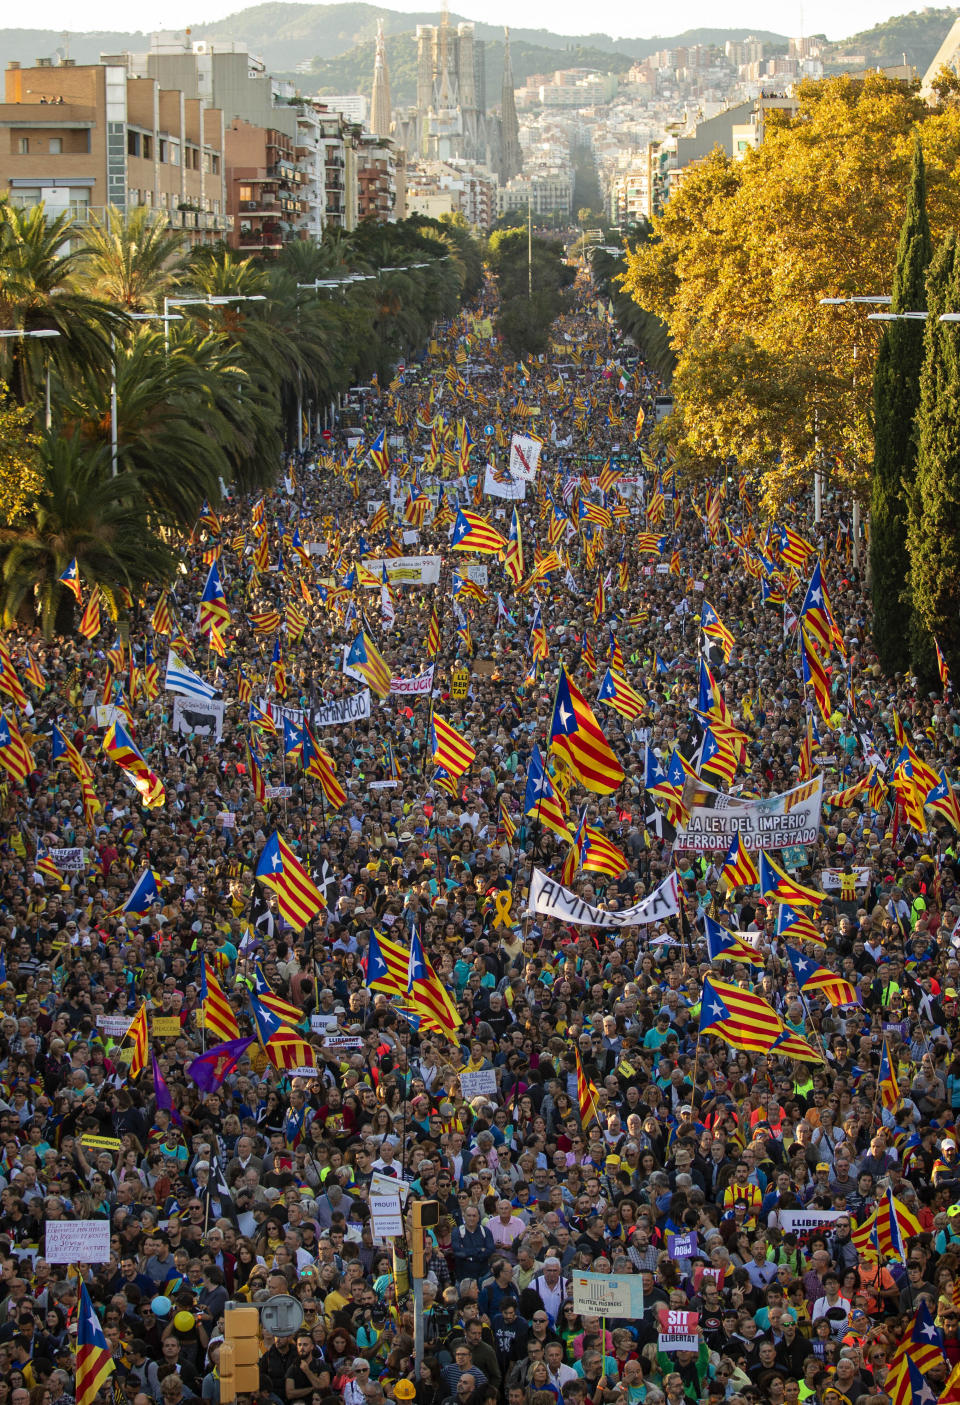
503, 903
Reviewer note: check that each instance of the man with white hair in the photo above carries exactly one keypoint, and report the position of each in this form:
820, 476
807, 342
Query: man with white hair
551, 1288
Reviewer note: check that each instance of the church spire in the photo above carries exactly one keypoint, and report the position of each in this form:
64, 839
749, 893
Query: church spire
510, 160
380, 102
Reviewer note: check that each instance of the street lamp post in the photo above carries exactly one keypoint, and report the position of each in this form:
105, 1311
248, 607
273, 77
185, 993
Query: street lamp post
215, 300
22, 332
164, 317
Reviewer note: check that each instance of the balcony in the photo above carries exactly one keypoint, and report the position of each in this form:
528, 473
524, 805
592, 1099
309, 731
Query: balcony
261, 239
259, 207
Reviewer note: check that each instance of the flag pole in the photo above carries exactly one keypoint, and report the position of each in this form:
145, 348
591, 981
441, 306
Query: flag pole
533, 839
438, 602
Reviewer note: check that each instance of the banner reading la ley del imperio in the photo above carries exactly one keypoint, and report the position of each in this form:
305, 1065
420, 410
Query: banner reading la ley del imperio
552, 899
775, 822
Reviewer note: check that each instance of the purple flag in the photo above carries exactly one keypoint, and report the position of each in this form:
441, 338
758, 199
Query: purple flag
210, 1069
162, 1093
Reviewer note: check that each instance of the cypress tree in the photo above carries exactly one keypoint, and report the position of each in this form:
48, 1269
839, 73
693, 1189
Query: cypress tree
934, 525
896, 395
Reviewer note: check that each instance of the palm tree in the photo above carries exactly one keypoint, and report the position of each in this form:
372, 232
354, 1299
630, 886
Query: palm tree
179, 406
81, 512
40, 290
132, 259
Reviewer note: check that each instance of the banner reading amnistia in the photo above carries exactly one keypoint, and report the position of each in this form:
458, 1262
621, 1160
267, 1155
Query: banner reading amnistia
774, 822
552, 899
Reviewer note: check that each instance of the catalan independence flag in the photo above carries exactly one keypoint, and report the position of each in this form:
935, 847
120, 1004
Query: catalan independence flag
813, 977
714, 628
213, 612
120, 747
426, 991
778, 886
740, 1018
739, 869
578, 737
283, 1046
617, 693
513, 557
797, 926
471, 532
94, 1358
728, 946
298, 897
887, 1085
378, 454
366, 658
449, 749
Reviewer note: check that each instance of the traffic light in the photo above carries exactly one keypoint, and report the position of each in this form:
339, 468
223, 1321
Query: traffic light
240, 1352
426, 1215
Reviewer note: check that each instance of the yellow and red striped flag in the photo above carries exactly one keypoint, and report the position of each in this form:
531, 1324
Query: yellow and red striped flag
448, 748
218, 1014
137, 1032
588, 1099
740, 1018
298, 897
578, 737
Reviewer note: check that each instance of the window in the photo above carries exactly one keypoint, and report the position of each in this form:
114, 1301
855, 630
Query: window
56, 146
23, 146
133, 143
147, 145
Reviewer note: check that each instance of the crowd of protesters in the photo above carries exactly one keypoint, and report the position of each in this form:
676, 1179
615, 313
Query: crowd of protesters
260, 1187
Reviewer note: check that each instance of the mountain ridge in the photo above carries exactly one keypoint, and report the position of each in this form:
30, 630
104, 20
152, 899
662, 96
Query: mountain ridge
333, 42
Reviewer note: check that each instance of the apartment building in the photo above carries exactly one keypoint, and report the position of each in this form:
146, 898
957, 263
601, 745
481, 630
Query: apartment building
81, 137
263, 187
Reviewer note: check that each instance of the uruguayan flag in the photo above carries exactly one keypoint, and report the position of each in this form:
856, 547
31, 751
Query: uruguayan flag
180, 679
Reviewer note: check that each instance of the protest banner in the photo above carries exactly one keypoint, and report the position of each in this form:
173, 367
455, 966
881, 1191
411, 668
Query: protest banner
68, 860
479, 1082
106, 714
525, 456
77, 1241
404, 570
90, 1143
799, 1221
679, 1331
459, 683
278, 712
226, 819
714, 818
608, 1294
421, 686
500, 483
552, 899
342, 1043
114, 1026
682, 1246
165, 1026
342, 711
387, 1215
381, 1184
322, 1024
201, 717
830, 879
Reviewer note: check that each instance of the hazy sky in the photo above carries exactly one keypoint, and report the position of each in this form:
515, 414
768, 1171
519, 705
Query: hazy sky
617, 17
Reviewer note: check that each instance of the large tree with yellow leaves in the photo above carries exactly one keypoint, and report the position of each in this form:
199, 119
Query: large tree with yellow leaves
745, 250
